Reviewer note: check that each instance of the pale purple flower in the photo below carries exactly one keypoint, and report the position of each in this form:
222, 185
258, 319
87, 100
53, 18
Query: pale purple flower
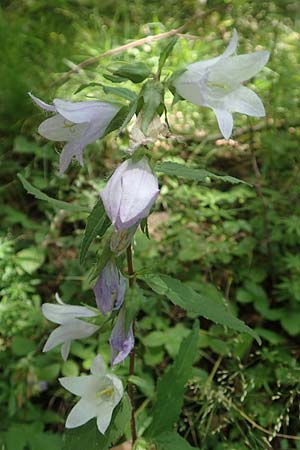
77, 123
121, 343
110, 288
130, 193
217, 84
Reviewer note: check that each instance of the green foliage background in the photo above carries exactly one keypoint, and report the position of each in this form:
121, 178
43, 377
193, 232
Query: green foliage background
240, 242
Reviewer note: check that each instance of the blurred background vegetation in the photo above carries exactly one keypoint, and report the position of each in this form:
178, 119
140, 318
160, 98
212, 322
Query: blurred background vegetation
237, 241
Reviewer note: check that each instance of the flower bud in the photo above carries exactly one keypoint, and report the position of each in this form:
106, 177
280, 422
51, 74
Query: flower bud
110, 288
130, 193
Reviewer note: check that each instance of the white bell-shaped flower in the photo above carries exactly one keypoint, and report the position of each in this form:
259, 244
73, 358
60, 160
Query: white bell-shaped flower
77, 123
70, 328
217, 84
100, 393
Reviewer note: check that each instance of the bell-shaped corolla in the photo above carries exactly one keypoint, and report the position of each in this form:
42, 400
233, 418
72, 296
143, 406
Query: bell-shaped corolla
130, 193
218, 84
77, 123
100, 393
70, 326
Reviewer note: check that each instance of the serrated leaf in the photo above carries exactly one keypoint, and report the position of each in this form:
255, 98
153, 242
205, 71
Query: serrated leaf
88, 436
184, 296
165, 53
153, 93
171, 386
52, 201
191, 173
172, 441
96, 225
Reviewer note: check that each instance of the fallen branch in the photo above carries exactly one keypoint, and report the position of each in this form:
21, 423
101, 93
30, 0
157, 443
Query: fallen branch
133, 44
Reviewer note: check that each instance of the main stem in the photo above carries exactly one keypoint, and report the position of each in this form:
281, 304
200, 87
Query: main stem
132, 353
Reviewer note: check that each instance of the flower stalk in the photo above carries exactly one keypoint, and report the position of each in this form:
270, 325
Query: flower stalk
132, 353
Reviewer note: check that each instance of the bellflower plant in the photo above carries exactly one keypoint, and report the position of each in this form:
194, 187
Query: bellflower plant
217, 84
70, 328
125, 203
130, 193
79, 124
100, 393
110, 288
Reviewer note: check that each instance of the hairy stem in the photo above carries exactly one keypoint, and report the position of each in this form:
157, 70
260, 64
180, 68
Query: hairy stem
132, 354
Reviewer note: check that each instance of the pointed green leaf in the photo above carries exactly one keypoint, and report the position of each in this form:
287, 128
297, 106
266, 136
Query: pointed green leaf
165, 53
191, 173
96, 225
52, 201
193, 302
171, 386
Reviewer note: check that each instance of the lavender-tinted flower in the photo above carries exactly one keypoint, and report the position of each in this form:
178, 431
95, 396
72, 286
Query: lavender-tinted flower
77, 123
130, 193
110, 288
121, 343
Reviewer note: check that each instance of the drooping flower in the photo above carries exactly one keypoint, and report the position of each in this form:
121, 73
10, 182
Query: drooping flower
77, 123
217, 84
121, 343
110, 288
130, 193
100, 393
70, 328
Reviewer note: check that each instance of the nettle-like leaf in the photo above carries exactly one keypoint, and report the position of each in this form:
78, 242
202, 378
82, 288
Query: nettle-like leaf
96, 225
171, 386
58, 204
191, 173
88, 436
193, 302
